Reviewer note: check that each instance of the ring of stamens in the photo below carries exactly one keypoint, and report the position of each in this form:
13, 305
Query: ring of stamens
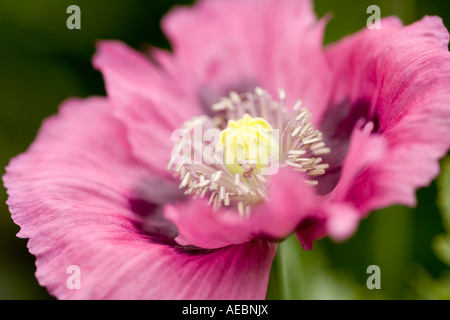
300, 148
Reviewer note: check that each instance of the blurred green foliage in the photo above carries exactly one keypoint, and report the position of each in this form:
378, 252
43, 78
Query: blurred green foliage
441, 243
43, 63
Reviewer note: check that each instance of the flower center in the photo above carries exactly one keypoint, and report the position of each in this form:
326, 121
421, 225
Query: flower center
247, 140
227, 157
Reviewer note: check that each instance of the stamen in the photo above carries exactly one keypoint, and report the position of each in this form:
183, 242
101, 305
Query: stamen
227, 199
297, 105
185, 181
240, 207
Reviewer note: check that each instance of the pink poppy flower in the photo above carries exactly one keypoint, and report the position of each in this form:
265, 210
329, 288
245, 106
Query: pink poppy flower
94, 189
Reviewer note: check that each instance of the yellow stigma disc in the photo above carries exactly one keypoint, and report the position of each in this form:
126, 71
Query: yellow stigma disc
247, 140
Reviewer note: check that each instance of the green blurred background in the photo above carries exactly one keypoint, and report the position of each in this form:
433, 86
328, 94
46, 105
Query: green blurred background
42, 63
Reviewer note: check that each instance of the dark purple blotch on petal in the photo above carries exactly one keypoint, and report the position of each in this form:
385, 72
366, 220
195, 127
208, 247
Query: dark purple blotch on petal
310, 229
337, 126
